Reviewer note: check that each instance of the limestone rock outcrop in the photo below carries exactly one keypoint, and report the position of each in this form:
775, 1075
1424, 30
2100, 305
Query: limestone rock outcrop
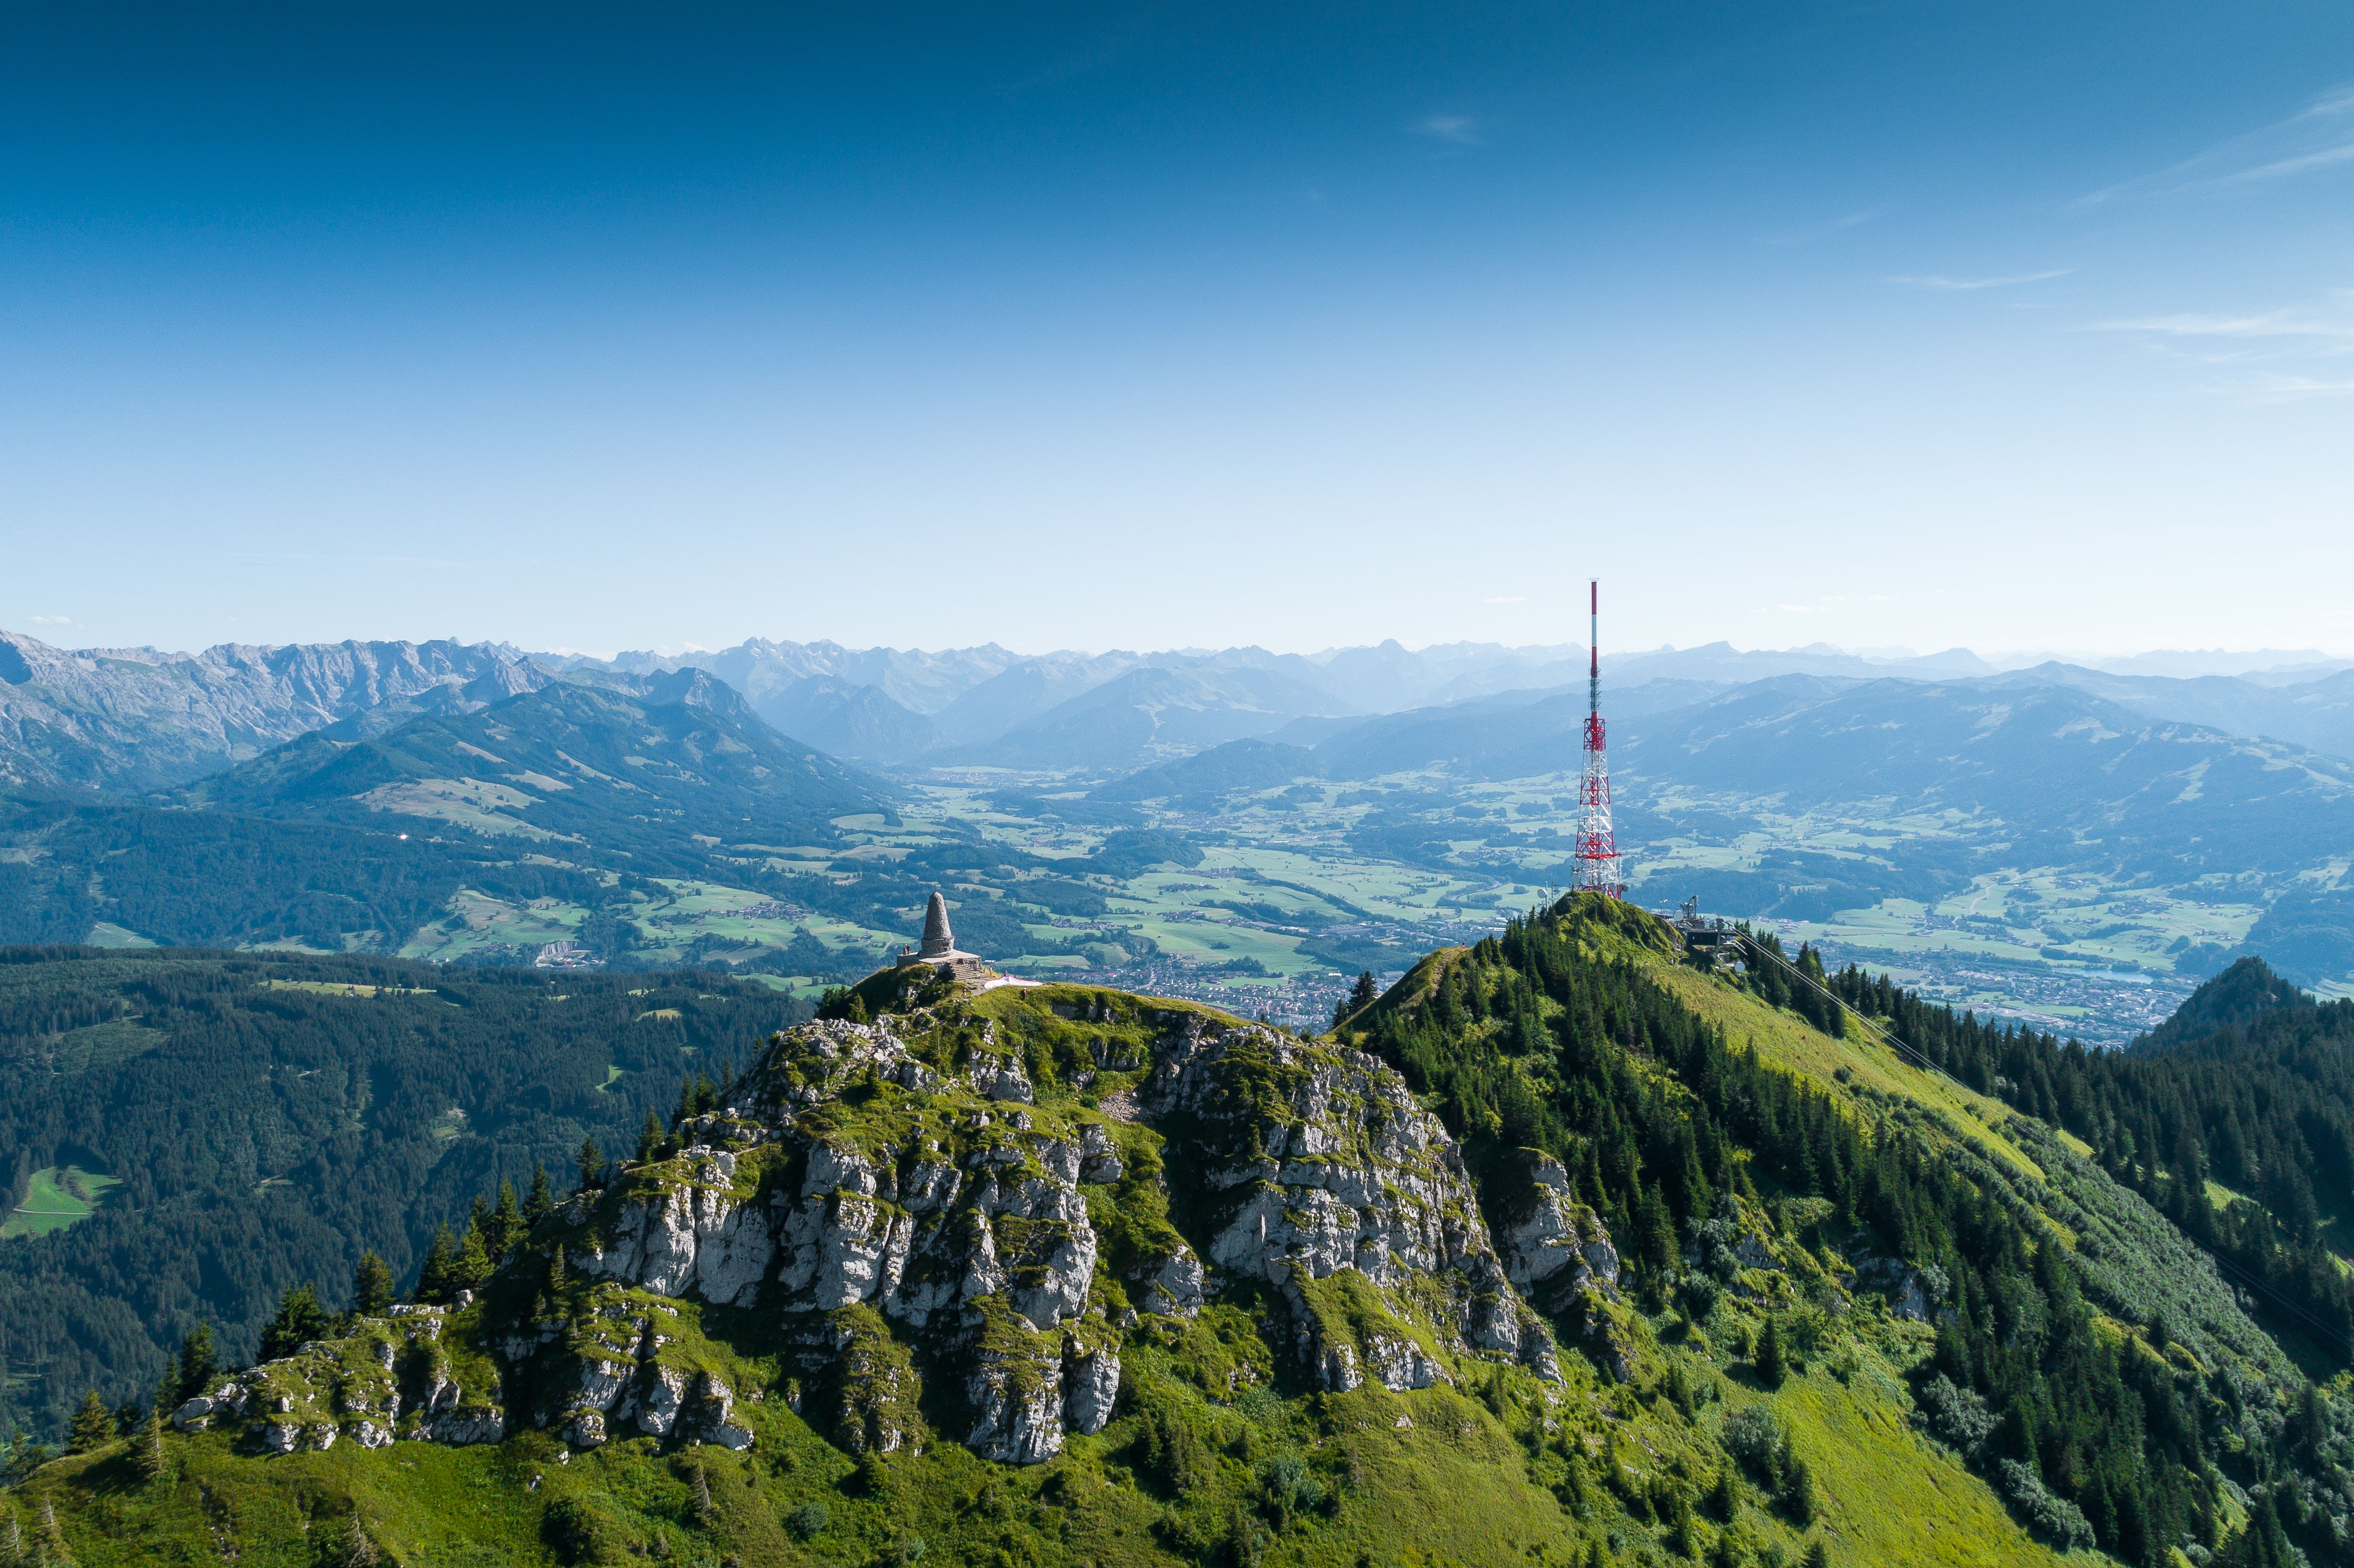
389, 1378
1322, 1163
1555, 1247
925, 1197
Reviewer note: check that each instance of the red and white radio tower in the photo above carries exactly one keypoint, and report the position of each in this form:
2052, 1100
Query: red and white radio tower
1597, 845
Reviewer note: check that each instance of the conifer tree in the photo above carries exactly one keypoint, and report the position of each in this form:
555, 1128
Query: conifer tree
1362, 995
1684, 1535
55, 1552
650, 1136
506, 1227
371, 1286
197, 1361
474, 1265
1818, 1555
93, 1426
557, 1278
1655, 1238
299, 1320
147, 1452
542, 1202
1797, 1492
1773, 1368
437, 1280
590, 1161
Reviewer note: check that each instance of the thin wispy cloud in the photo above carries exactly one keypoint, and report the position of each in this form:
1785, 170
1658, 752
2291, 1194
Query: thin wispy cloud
53, 621
2267, 387
2317, 137
1508, 599
1831, 226
2305, 344
1456, 130
2330, 335
1938, 280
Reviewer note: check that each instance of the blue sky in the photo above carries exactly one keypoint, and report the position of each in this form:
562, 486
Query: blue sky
2007, 325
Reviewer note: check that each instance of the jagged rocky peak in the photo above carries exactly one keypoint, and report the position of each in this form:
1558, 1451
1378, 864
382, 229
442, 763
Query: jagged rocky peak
991, 1198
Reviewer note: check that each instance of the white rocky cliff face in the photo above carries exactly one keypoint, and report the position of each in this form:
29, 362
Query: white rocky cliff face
1346, 1174
961, 1219
911, 1200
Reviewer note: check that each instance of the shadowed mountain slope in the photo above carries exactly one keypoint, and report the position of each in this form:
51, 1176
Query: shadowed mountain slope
646, 780
2049, 763
2318, 713
1152, 712
846, 719
270, 1115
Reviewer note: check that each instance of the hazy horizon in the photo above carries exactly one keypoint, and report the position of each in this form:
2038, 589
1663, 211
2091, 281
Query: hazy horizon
2252, 659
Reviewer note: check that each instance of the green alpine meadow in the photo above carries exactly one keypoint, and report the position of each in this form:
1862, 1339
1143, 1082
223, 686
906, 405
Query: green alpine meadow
1589, 1243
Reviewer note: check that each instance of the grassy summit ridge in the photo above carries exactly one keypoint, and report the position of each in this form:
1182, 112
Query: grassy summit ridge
1842, 1323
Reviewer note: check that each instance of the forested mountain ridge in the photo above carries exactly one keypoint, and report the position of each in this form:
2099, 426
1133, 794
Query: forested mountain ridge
2239, 1127
637, 778
1614, 1255
268, 1118
347, 837
185, 878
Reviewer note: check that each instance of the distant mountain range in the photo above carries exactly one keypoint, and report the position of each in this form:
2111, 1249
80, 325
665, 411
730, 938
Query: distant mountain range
140, 720
250, 794
988, 707
136, 719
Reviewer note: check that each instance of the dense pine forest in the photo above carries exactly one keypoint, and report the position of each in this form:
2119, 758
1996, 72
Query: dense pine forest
1657, 1116
258, 1121
2236, 1120
216, 879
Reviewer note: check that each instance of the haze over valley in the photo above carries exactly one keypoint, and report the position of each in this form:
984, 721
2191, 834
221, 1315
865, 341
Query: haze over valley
2070, 845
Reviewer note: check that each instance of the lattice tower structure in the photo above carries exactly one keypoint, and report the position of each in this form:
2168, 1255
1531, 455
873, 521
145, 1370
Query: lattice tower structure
1598, 869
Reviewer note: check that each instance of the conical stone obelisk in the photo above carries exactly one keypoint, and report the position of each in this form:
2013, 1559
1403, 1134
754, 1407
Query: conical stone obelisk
940, 942
939, 948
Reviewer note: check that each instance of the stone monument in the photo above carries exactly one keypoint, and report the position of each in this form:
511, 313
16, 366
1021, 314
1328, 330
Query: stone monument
939, 949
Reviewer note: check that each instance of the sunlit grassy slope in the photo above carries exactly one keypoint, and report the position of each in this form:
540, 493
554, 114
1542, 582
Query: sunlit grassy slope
1887, 1495
1497, 1469
1426, 1478
1860, 1065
